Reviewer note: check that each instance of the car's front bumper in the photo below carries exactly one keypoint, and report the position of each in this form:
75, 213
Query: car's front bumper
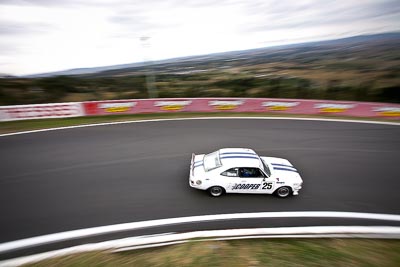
296, 190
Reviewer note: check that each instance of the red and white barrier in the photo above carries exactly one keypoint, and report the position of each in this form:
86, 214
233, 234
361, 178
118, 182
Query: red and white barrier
284, 106
138, 106
41, 111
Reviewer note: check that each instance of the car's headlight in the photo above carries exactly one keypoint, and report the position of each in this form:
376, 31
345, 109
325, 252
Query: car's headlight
198, 182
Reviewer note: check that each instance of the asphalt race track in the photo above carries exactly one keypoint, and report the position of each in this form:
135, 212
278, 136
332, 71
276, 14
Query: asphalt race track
77, 178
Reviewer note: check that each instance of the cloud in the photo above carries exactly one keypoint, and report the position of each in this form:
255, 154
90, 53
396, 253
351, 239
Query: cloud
79, 33
135, 21
282, 15
19, 28
46, 3
7, 48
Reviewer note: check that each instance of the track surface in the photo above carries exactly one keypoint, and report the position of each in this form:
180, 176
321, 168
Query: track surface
77, 178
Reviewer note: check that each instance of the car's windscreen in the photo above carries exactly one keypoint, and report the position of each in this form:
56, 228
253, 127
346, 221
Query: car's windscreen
266, 168
212, 161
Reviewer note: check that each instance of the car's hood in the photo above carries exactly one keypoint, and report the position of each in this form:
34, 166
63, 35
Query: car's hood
286, 176
283, 170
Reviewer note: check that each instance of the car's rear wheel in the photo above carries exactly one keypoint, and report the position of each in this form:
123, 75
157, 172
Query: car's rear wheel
283, 191
216, 191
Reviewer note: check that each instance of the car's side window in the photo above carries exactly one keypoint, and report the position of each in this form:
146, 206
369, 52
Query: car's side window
250, 172
231, 172
260, 173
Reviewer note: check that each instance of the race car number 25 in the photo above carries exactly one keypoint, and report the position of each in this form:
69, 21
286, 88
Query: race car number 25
266, 186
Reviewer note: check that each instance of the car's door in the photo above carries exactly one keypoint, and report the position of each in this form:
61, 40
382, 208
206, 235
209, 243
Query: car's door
258, 181
267, 186
233, 182
247, 180
250, 180
239, 183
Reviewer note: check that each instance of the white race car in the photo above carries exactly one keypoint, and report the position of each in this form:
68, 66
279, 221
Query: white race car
241, 170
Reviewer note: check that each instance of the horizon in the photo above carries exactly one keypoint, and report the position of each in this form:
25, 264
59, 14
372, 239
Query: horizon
38, 37
55, 73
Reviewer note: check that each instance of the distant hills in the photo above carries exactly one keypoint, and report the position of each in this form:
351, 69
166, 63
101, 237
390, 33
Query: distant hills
343, 42
362, 68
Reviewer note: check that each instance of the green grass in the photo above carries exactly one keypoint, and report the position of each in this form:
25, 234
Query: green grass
257, 252
25, 125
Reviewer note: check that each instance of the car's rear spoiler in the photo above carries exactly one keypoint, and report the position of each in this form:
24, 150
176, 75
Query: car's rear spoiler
192, 164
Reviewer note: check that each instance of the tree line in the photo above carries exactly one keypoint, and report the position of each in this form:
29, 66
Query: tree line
14, 91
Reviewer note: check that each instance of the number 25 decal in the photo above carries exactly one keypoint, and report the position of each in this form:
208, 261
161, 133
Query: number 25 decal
267, 186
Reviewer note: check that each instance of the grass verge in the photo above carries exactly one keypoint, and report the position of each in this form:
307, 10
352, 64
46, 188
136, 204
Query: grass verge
26, 125
256, 252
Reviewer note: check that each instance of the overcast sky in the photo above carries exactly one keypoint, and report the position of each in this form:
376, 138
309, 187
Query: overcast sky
39, 36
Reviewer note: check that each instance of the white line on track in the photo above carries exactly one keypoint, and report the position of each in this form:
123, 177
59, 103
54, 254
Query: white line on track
81, 233
201, 118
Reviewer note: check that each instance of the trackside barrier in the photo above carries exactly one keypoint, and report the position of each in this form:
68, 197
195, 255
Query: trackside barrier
41, 111
170, 105
74, 234
131, 243
279, 106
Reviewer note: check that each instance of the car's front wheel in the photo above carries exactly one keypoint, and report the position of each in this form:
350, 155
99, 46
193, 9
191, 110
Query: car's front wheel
283, 191
216, 191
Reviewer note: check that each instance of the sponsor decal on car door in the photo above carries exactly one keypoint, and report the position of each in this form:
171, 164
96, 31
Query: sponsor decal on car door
245, 186
250, 181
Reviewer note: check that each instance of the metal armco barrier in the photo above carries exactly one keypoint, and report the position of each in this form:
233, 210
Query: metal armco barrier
169, 105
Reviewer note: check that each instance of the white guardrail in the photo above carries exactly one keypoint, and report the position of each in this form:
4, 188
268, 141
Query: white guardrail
389, 232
